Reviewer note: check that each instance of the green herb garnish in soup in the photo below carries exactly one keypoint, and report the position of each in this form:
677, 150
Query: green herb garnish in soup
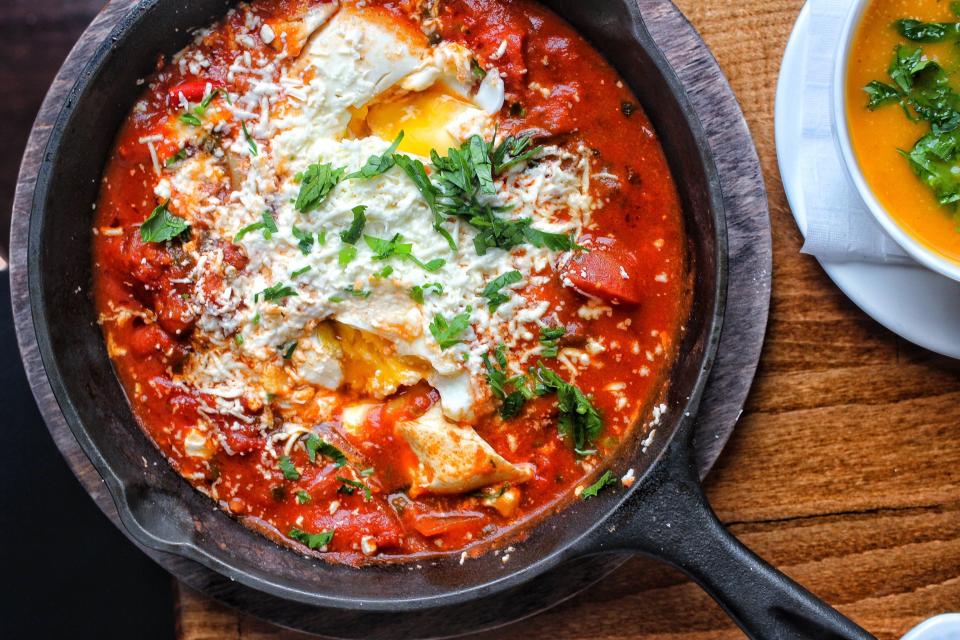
903, 115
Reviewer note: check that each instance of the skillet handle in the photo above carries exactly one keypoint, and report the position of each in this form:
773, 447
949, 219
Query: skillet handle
671, 520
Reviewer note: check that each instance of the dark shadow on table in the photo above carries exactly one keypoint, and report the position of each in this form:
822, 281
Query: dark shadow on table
67, 571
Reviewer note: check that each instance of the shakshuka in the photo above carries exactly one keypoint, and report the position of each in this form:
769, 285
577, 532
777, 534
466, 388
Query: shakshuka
389, 278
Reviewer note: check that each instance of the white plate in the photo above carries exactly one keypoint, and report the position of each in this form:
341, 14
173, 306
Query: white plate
913, 302
943, 627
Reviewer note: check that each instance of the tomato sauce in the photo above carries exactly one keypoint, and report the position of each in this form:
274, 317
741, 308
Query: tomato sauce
557, 87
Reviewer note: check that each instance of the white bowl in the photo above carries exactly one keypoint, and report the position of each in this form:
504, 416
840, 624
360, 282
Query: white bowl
920, 253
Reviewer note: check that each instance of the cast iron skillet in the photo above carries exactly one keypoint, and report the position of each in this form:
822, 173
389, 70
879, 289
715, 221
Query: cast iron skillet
664, 514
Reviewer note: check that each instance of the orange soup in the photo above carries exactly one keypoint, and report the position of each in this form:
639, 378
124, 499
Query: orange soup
885, 134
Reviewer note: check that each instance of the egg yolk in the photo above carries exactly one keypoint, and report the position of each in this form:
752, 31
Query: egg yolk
423, 117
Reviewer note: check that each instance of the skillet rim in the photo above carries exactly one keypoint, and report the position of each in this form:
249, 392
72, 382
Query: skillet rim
117, 488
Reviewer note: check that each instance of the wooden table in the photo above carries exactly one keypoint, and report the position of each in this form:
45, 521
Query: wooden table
843, 470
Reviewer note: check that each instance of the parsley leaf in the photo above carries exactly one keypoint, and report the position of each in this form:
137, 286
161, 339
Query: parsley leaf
552, 241
302, 496
550, 338
161, 225
287, 350
312, 540
250, 141
377, 165
289, 471
880, 94
276, 292
418, 174
351, 235
267, 223
924, 92
512, 151
447, 333
492, 291
181, 154
395, 247
479, 73
579, 420
304, 238
315, 185
300, 271
417, 291
349, 487
514, 392
920, 31
190, 119
315, 445
347, 254
357, 293
606, 480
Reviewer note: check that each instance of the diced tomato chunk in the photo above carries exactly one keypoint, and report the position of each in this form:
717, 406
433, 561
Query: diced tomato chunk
608, 272
192, 90
173, 312
437, 523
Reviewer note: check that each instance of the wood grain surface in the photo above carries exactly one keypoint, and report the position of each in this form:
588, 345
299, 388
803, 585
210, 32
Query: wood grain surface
843, 470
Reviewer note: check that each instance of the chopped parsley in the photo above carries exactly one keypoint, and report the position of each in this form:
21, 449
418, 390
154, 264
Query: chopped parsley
315, 185
304, 240
492, 291
579, 421
322, 237
238, 338
276, 292
922, 89
347, 254
606, 480
287, 350
417, 292
513, 391
289, 471
461, 185
177, 157
201, 108
920, 31
395, 247
251, 143
369, 471
315, 445
447, 333
267, 223
550, 339
300, 271
161, 225
190, 119
418, 174
479, 73
302, 496
312, 540
357, 293
192, 116
377, 165
385, 272
351, 235
349, 487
